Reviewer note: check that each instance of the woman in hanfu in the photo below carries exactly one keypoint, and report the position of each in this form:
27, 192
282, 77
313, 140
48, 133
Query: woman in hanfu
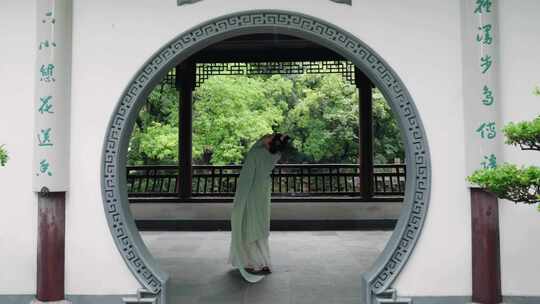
250, 219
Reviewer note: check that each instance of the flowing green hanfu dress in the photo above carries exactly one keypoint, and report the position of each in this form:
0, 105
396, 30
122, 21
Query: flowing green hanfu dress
250, 219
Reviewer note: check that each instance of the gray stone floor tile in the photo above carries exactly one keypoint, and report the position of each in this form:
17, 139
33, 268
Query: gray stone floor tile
324, 292
309, 266
185, 289
184, 300
341, 300
222, 299
273, 298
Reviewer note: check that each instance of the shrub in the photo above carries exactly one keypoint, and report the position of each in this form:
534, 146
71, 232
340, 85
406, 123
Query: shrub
3, 156
520, 185
525, 134
507, 181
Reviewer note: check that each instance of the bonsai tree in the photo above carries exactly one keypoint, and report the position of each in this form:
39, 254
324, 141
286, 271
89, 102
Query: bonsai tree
3, 156
508, 181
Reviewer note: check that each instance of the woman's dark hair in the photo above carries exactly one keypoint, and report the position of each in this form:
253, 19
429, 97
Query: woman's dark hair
278, 144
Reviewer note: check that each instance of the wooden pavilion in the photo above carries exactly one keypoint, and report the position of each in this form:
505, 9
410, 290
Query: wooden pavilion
264, 54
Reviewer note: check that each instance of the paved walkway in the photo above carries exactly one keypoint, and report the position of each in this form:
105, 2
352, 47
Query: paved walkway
309, 266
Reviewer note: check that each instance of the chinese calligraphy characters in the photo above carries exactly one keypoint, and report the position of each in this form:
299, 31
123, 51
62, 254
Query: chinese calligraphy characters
488, 96
487, 130
483, 6
485, 64
47, 79
48, 18
484, 39
44, 138
44, 168
46, 44
485, 35
490, 161
47, 73
46, 105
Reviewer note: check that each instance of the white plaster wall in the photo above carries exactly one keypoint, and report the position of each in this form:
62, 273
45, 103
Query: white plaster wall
419, 40
112, 40
422, 43
99, 73
520, 72
18, 224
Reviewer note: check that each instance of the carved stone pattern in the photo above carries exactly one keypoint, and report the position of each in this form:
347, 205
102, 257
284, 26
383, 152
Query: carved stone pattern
390, 296
368, 61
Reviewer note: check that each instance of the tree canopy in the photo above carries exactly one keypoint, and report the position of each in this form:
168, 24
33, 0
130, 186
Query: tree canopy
319, 111
230, 113
3, 156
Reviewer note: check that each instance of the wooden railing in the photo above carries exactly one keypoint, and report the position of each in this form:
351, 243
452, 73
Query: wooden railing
287, 180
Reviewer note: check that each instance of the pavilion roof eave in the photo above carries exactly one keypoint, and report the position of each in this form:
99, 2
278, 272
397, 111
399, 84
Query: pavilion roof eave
265, 48
267, 55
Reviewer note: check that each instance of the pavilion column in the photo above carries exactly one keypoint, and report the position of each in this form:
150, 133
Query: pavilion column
50, 168
365, 133
185, 84
486, 263
483, 140
51, 246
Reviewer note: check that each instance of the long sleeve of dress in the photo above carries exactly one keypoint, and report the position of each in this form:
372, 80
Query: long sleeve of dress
238, 251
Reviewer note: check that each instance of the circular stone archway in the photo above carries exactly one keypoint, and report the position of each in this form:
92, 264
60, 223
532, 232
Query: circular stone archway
113, 180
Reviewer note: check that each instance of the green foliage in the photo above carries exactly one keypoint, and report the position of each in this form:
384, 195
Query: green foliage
159, 143
320, 112
324, 119
3, 156
161, 106
232, 112
160, 111
526, 134
387, 143
324, 122
510, 182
